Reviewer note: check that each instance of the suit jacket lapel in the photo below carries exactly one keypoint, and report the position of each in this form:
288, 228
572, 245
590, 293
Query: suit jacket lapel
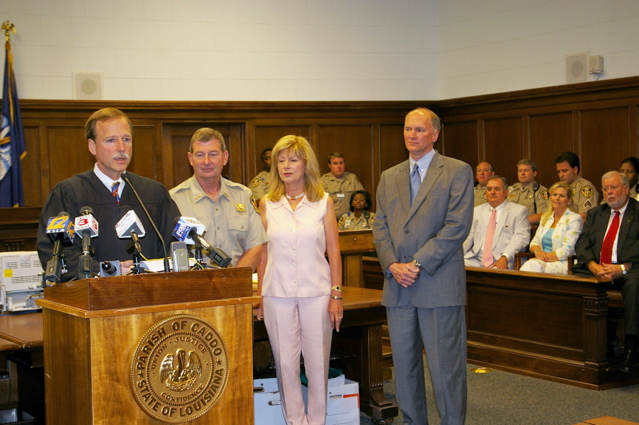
601, 224
624, 228
402, 181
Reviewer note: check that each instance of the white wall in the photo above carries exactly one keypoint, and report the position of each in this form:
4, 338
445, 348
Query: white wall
492, 46
227, 49
314, 49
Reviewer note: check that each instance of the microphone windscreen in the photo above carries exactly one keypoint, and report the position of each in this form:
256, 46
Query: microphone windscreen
130, 222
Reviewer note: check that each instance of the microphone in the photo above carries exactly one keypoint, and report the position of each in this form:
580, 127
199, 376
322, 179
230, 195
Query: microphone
87, 226
180, 256
125, 177
189, 230
130, 222
59, 229
110, 268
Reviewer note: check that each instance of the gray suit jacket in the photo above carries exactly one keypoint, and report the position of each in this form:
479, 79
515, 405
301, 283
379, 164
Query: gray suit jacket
431, 231
512, 233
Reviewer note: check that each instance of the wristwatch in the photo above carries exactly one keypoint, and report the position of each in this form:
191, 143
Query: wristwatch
416, 263
623, 269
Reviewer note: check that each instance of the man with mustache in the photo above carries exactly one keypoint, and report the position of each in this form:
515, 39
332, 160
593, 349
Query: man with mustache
226, 208
108, 134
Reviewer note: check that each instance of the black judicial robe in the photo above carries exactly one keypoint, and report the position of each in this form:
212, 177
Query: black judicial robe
86, 189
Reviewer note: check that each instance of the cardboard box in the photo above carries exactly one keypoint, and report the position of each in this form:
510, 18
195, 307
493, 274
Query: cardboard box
342, 406
267, 402
342, 402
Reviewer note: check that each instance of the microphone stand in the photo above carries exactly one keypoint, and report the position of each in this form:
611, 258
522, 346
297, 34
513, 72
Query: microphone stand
136, 249
199, 264
167, 267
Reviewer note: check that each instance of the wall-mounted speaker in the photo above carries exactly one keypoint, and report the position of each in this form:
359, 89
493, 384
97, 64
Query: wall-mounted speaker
87, 85
577, 68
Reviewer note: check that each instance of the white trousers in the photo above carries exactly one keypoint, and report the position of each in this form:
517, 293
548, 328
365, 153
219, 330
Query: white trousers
300, 326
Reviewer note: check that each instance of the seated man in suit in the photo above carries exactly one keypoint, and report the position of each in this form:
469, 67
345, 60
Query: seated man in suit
500, 229
609, 248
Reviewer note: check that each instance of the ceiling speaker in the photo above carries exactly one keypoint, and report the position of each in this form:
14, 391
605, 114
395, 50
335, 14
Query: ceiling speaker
87, 85
577, 68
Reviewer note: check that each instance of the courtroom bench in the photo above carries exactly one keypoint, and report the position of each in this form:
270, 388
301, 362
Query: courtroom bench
548, 326
544, 325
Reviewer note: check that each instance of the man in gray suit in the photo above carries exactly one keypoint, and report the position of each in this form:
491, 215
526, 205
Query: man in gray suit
510, 233
424, 213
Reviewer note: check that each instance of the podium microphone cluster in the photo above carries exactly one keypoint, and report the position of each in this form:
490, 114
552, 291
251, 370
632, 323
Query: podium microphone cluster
87, 226
59, 229
190, 230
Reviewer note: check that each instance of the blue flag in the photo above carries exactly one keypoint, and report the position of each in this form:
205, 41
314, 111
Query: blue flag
12, 146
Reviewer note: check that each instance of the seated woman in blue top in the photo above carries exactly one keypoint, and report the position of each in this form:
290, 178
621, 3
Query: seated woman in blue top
554, 242
359, 217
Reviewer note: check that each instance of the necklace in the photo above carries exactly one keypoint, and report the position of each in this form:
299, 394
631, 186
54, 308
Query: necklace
292, 198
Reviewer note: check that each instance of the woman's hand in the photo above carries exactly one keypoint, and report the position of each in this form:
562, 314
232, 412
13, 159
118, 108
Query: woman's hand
335, 312
260, 311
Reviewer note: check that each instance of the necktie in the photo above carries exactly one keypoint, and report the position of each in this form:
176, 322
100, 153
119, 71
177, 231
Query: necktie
487, 257
114, 192
415, 182
609, 240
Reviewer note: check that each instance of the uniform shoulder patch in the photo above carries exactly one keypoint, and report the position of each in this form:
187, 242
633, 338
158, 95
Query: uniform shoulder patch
544, 195
256, 182
586, 191
255, 205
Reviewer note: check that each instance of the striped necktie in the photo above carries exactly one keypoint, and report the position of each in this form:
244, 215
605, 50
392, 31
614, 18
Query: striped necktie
114, 192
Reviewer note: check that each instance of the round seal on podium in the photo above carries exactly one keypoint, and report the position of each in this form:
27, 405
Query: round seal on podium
179, 369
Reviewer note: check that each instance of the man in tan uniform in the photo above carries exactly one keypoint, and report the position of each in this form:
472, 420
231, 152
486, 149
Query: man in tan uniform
224, 207
259, 184
340, 184
585, 195
484, 171
528, 192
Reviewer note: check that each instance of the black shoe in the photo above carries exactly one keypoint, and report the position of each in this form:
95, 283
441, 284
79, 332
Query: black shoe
614, 349
628, 361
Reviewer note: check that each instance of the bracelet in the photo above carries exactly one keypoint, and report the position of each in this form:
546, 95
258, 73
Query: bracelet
336, 298
336, 288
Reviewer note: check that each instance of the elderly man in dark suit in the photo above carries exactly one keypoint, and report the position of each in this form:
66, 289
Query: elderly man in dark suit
608, 247
424, 213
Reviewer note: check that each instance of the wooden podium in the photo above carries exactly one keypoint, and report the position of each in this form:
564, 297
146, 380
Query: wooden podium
150, 349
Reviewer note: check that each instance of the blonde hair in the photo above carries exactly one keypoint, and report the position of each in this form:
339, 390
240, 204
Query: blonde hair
559, 185
300, 147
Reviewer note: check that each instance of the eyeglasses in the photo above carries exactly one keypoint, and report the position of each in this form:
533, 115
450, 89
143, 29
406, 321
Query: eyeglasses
607, 188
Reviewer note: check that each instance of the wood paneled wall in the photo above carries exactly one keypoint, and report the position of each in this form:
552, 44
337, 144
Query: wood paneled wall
369, 134
597, 120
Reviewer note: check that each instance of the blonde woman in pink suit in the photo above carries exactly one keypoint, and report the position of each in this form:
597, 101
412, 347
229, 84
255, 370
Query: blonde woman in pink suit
559, 228
300, 289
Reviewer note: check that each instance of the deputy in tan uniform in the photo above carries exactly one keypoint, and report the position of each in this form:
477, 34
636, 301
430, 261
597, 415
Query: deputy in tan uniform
585, 195
259, 184
226, 208
484, 171
528, 192
340, 184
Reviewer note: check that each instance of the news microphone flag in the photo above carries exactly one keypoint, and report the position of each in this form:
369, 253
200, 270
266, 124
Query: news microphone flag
12, 145
130, 222
87, 222
183, 227
60, 224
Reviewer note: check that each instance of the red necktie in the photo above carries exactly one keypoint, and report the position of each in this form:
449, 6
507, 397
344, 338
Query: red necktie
609, 240
487, 257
